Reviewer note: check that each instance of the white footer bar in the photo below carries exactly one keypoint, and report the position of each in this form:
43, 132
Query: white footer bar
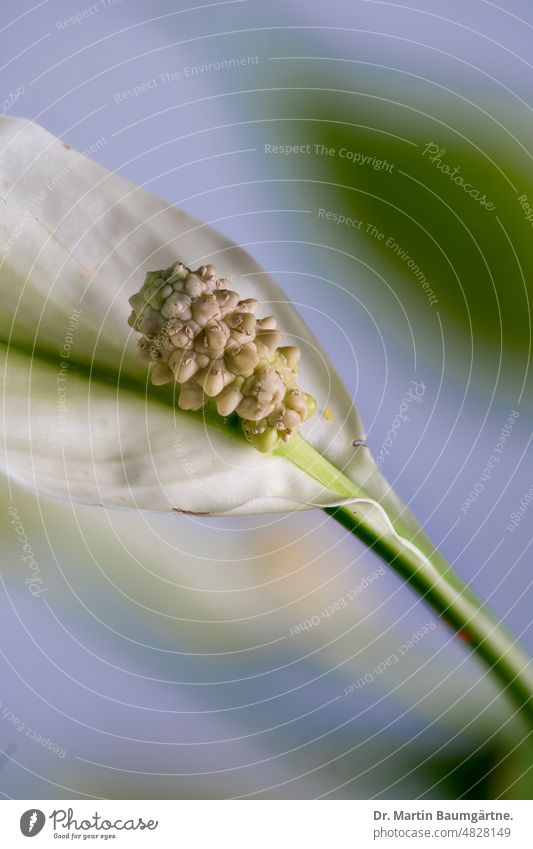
268, 824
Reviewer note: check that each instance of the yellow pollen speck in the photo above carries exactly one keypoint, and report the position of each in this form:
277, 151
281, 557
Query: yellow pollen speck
328, 414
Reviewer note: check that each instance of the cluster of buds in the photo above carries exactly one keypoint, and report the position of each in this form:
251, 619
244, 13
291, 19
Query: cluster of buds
196, 331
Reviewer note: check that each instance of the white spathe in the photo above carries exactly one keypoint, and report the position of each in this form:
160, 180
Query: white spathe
77, 240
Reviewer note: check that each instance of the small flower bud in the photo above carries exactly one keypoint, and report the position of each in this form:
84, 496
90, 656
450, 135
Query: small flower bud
254, 410
242, 359
213, 378
296, 400
152, 324
215, 336
265, 441
144, 355
269, 340
181, 339
248, 305
267, 323
162, 373
207, 272
311, 405
230, 397
185, 364
226, 300
191, 396
178, 272
292, 356
193, 286
178, 305
205, 308
136, 302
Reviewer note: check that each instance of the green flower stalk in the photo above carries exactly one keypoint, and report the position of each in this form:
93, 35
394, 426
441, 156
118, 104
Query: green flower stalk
196, 331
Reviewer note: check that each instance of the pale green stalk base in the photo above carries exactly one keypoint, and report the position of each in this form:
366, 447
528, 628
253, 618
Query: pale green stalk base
415, 559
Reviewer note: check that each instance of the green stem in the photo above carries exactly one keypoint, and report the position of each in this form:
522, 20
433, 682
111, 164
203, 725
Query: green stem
392, 534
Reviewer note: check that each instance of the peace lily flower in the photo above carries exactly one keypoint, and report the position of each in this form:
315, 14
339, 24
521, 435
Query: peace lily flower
214, 411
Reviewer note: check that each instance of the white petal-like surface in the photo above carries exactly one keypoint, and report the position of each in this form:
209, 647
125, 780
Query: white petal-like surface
79, 420
114, 447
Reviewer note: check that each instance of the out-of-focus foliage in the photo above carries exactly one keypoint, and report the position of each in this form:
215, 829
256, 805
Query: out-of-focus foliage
477, 260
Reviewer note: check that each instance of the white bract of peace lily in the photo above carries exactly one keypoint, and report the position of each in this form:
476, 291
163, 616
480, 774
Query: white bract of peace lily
80, 419
83, 422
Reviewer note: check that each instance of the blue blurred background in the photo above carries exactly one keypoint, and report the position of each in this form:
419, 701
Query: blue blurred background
160, 663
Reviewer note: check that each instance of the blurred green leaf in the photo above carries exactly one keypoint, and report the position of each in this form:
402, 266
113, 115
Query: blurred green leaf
477, 261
